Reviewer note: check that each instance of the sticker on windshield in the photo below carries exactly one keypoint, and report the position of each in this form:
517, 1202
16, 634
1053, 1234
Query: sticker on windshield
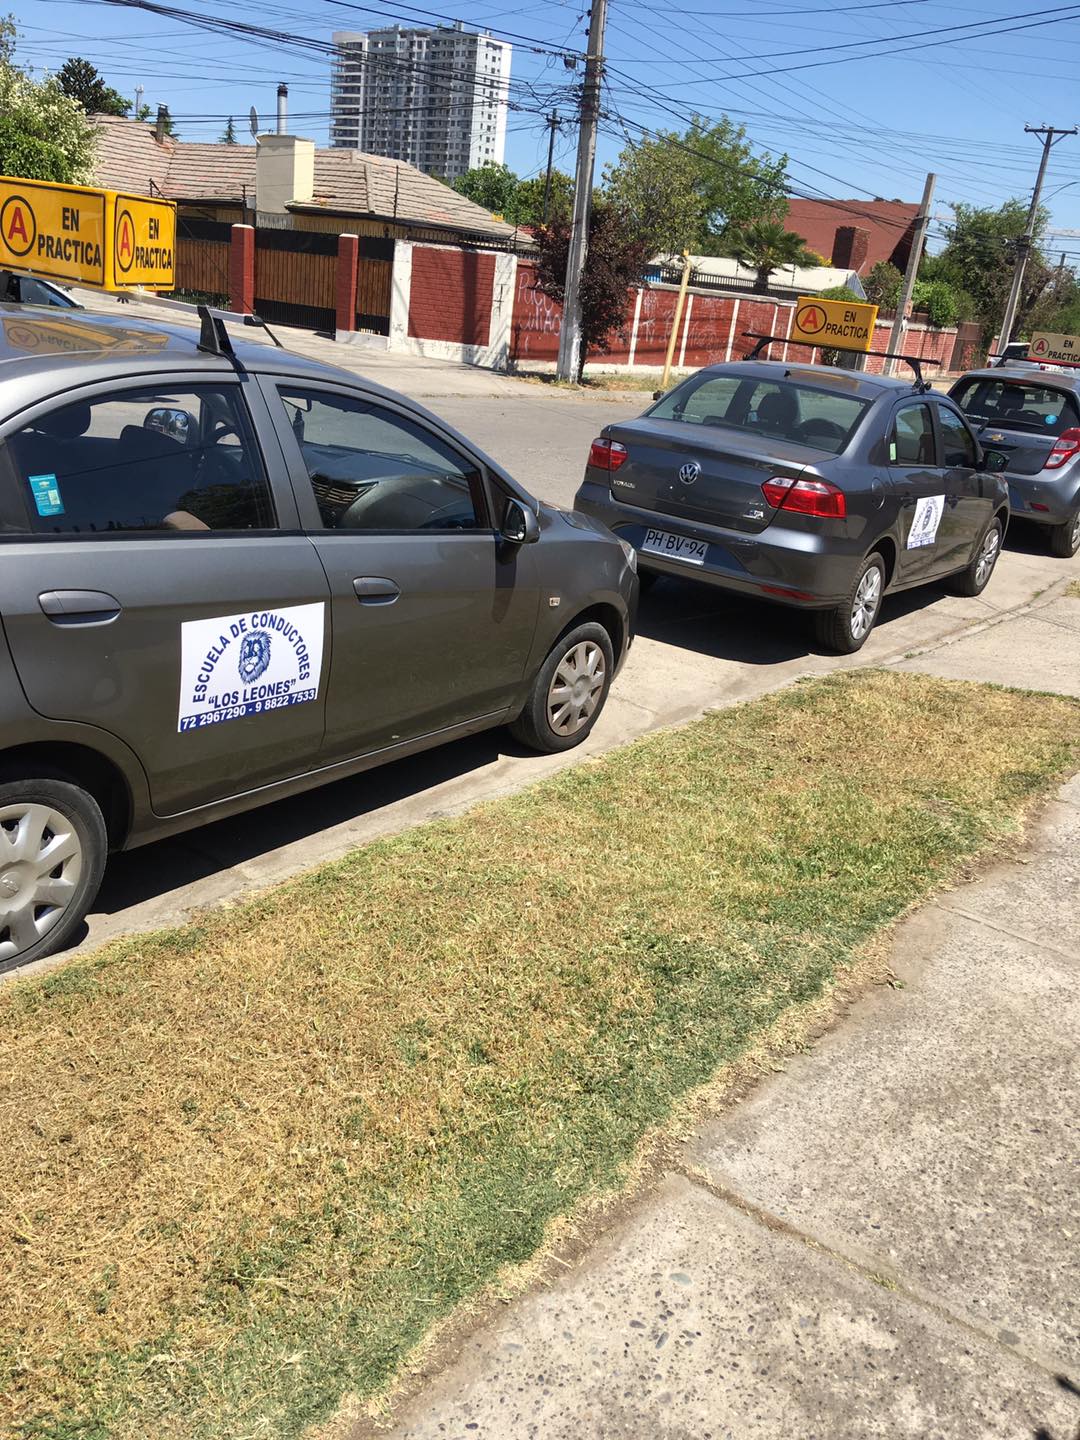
924, 527
46, 493
249, 664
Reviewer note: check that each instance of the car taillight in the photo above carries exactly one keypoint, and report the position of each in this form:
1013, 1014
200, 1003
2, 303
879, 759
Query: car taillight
805, 497
606, 454
1066, 448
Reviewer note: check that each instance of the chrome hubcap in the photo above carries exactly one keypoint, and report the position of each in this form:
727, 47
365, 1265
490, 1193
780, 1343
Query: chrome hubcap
987, 556
40, 864
576, 688
1074, 533
867, 599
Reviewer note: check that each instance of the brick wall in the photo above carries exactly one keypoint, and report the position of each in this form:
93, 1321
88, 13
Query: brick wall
711, 330
451, 295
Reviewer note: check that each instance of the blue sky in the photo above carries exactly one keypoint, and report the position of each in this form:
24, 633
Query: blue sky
812, 79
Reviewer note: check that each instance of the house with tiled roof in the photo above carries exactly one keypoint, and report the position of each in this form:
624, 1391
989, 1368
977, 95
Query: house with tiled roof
856, 234
293, 203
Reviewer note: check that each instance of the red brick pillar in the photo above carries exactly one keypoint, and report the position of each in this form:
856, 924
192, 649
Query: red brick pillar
348, 253
242, 269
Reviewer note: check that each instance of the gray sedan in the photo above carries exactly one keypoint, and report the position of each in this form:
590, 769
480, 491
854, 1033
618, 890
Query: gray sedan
1033, 418
816, 487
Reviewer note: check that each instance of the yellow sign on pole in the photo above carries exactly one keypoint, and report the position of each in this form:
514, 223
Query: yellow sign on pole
100, 238
836, 324
1055, 349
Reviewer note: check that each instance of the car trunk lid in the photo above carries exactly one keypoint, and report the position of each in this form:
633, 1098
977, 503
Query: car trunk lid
712, 475
1026, 451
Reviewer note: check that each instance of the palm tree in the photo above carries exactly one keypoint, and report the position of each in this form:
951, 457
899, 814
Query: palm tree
765, 246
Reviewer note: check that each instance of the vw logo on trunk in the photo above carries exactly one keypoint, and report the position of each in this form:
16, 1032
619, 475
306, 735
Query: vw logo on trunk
689, 472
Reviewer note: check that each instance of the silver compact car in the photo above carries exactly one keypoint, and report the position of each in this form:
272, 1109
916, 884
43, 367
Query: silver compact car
809, 485
1032, 416
228, 573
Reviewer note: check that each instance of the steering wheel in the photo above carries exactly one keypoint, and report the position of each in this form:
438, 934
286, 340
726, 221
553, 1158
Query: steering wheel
819, 428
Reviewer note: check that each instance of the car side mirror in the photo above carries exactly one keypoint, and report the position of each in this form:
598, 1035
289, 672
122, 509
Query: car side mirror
519, 525
178, 424
995, 461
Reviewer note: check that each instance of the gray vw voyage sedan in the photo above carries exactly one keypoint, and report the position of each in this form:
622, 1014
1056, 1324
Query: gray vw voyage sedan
228, 573
809, 485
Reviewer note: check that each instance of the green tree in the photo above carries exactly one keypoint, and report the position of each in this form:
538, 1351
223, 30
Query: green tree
765, 246
883, 285
937, 300
44, 133
614, 262
528, 207
83, 82
978, 258
228, 135
492, 186
691, 191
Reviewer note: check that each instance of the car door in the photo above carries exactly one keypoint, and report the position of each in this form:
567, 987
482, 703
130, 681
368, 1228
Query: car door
969, 491
153, 582
433, 615
919, 487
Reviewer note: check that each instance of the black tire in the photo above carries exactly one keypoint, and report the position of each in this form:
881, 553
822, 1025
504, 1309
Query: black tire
534, 726
837, 629
83, 870
974, 579
1065, 539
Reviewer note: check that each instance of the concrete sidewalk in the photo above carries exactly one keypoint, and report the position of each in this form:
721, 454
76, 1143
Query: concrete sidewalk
883, 1239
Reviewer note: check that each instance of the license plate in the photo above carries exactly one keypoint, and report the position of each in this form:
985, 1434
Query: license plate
674, 547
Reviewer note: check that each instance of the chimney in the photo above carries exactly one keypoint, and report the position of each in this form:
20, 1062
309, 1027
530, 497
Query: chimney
161, 123
851, 245
282, 108
284, 173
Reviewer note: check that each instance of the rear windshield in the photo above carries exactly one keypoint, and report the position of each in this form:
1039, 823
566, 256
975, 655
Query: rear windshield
1017, 405
771, 409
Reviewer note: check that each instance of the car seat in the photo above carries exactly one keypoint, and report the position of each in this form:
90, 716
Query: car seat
778, 412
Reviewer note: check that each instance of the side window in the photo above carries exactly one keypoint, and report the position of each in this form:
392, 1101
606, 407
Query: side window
706, 403
372, 469
171, 460
912, 439
957, 446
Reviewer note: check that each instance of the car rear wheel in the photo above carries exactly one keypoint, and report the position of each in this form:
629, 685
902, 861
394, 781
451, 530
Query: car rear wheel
1065, 539
53, 846
569, 691
845, 629
974, 580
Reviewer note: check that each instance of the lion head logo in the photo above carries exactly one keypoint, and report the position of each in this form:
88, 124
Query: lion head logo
254, 656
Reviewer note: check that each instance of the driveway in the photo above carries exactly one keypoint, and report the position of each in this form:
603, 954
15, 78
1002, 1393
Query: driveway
696, 649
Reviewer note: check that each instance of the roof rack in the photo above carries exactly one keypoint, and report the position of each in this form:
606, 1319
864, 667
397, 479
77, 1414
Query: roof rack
915, 361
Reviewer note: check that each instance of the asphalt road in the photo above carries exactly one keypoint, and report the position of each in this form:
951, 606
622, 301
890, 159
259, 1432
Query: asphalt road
696, 649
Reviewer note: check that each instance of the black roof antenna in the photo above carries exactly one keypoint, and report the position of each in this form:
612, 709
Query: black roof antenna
215, 339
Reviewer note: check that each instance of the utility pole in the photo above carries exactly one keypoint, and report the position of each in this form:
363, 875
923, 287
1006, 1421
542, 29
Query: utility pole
1023, 245
552, 124
922, 223
676, 320
570, 334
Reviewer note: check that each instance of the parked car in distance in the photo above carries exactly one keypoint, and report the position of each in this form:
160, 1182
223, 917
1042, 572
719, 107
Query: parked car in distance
1033, 418
19, 289
230, 573
817, 487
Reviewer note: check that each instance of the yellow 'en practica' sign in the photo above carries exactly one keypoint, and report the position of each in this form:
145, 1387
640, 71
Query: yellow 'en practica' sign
1055, 349
101, 238
838, 324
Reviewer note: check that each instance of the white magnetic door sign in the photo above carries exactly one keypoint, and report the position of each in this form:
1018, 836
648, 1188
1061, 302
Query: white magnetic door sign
249, 664
924, 526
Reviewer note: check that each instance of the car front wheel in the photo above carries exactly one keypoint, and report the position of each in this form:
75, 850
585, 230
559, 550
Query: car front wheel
846, 627
569, 691
1065, 539
53, 846
975, 578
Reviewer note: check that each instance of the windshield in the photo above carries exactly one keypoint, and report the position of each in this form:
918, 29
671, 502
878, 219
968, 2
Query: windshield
770, 409
1017, 405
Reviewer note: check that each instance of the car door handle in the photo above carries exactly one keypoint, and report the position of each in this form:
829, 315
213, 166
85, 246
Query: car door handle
375, 590
79, 607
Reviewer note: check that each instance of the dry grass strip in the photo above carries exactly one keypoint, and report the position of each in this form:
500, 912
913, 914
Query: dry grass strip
246, 1164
